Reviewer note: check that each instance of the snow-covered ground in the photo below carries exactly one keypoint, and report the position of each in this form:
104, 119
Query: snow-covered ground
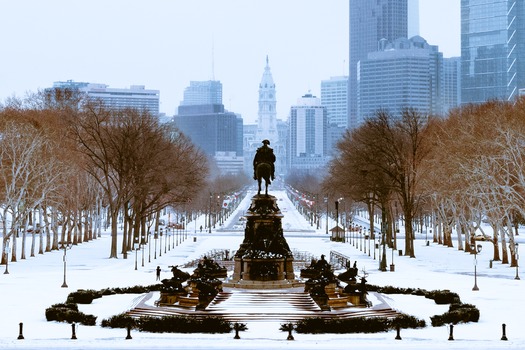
34, 284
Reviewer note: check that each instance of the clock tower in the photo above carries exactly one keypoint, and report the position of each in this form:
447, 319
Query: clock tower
267, 121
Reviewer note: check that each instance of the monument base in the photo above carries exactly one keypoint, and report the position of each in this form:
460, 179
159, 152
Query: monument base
246, 284
260, 269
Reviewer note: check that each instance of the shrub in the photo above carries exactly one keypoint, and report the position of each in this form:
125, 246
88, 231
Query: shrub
457, 313
407, 321
119, 321
183, 324
351, 325
70, 314
82, 296
442, 297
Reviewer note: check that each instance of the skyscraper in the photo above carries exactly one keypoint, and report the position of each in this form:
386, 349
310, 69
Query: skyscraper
218, 132
371, 21
203, 93
308, 134
492, 49
451, 97
404, 74
334, 96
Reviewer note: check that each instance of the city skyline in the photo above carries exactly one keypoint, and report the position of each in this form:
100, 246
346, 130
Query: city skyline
164, 46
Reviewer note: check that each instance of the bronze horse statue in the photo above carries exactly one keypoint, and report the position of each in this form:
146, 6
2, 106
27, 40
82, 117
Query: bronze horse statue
263, 171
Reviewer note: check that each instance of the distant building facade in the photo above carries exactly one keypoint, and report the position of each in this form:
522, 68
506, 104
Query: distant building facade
203, 93
218, 132
137, 96
492, 50
308, 123
371, 21
404, 74
451, 97
334, 97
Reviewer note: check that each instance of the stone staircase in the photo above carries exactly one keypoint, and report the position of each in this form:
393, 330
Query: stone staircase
238, 305
244, 305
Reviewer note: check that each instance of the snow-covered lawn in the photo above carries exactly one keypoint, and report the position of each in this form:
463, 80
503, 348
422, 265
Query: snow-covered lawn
34, 284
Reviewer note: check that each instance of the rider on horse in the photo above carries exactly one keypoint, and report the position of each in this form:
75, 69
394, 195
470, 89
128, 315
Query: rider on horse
264, 155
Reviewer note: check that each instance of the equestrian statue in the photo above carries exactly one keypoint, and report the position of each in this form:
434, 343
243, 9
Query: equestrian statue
263, 165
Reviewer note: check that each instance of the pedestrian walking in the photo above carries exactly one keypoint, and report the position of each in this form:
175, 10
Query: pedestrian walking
158, 273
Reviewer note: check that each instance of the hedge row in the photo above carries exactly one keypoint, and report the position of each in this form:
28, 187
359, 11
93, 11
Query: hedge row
457, 313
68, 311
170, 324
86, 296
439, 296
356, 325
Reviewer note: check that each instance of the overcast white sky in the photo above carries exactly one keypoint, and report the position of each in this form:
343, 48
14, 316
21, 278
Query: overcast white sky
163, 44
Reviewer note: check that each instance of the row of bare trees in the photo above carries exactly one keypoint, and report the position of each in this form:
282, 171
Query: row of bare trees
74, 163
453, 172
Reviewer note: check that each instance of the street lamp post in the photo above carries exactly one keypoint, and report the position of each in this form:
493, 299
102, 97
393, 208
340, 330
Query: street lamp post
136, 248
149, 247
160, 242
155, 237
326, 201
66, 246
370, 236
337, 219
477, 250
142, 246
209, 216
517, 261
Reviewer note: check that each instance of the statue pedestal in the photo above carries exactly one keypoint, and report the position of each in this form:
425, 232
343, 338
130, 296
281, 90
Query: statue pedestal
264, 255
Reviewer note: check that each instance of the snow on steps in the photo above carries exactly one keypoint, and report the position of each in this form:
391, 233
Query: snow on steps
265, 305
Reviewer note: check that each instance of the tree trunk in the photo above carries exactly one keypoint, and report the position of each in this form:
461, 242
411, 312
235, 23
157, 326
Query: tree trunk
371, 220
54, 228
504, 251
41, 234
47, 229
409, 232
495, 242
24, 236
79, 227
114, 231
13, 246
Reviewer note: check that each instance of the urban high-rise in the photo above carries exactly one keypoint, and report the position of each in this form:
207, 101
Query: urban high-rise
334, 97
203, 93
213, 129
370, 22
406, 73
492, 50
137, 96
451, 97
308, 123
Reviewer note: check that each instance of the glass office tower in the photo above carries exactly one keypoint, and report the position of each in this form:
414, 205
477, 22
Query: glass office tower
371, 21
492, 50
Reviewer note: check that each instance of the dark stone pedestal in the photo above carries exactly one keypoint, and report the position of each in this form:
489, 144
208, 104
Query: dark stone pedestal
264, 254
